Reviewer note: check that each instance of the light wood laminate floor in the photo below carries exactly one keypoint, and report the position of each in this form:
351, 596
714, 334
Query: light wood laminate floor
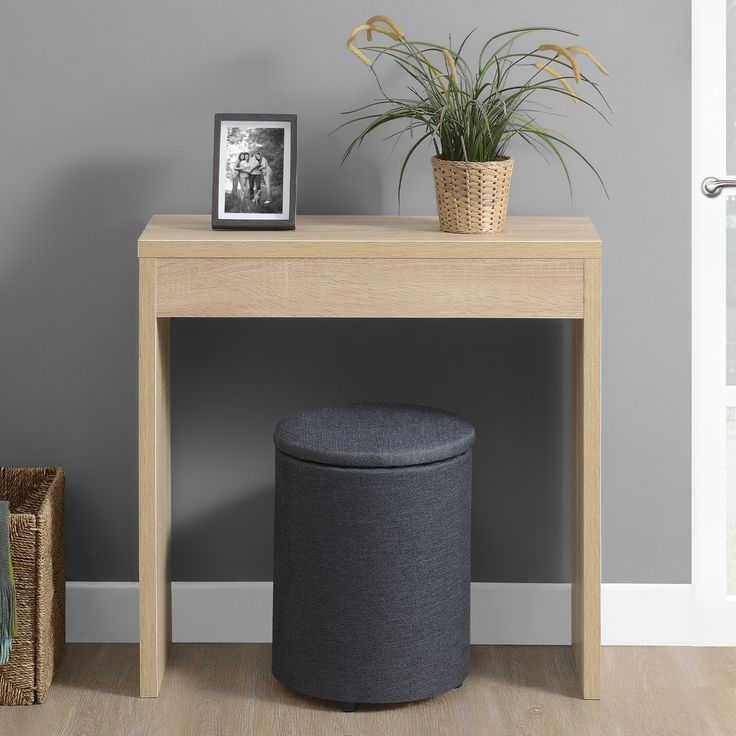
223, 689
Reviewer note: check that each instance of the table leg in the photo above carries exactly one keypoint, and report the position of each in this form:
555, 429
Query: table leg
586, 572
154, 485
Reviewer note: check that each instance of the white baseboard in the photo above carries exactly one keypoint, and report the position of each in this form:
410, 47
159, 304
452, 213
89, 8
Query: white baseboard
226, 612
501, 613
101, 612
646, 615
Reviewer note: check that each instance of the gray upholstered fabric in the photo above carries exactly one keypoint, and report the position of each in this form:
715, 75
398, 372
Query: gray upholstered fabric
374, 435
372, 579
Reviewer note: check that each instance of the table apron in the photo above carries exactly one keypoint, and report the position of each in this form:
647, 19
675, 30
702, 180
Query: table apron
355, 287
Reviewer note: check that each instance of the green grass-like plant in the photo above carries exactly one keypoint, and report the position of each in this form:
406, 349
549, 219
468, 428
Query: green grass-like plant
473, 113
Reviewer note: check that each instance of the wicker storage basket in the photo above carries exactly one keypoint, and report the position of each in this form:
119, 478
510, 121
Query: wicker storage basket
472, 197
36, 497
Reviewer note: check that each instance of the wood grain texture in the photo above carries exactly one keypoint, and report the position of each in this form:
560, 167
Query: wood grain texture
586, 529
154, 484
317, 236
216, 287
368, 267
227, 689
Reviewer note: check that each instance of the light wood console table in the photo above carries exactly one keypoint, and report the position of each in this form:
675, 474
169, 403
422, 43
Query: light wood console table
540, 267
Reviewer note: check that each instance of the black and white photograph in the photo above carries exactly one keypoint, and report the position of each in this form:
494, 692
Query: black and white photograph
254, 183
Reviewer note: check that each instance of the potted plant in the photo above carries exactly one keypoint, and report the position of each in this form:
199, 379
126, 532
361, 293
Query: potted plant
471, 114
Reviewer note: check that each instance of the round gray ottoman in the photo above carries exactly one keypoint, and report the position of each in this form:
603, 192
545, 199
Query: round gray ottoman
371, 595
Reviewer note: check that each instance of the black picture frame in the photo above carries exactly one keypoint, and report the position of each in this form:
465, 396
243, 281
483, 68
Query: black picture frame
223, 215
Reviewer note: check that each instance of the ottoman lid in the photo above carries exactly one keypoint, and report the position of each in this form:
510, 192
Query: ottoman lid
374, 435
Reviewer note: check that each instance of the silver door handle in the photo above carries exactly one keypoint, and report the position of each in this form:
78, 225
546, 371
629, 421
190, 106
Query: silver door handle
711, 186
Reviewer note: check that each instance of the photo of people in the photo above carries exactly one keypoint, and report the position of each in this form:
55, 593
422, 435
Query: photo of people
254, 171
253, 153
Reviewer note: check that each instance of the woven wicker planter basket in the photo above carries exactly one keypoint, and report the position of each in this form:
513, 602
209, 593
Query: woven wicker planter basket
472, 197
36, 497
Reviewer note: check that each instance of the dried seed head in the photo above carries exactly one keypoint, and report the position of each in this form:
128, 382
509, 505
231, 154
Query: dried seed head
368, 28
547, 68
450, 61
563, 52
354, 49
387, 21
590, 55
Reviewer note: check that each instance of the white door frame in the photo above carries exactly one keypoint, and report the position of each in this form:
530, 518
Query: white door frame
714, 615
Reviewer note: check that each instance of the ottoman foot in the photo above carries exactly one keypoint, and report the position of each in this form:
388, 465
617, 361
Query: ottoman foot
347, 707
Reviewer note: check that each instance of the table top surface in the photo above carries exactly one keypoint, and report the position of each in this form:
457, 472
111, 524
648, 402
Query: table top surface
367, 236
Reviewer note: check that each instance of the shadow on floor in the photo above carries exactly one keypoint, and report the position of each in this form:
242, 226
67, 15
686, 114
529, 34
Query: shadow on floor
547, 669
102, 668
244, 670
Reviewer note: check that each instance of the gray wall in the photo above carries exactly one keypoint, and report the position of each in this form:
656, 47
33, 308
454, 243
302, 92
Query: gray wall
107, 118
